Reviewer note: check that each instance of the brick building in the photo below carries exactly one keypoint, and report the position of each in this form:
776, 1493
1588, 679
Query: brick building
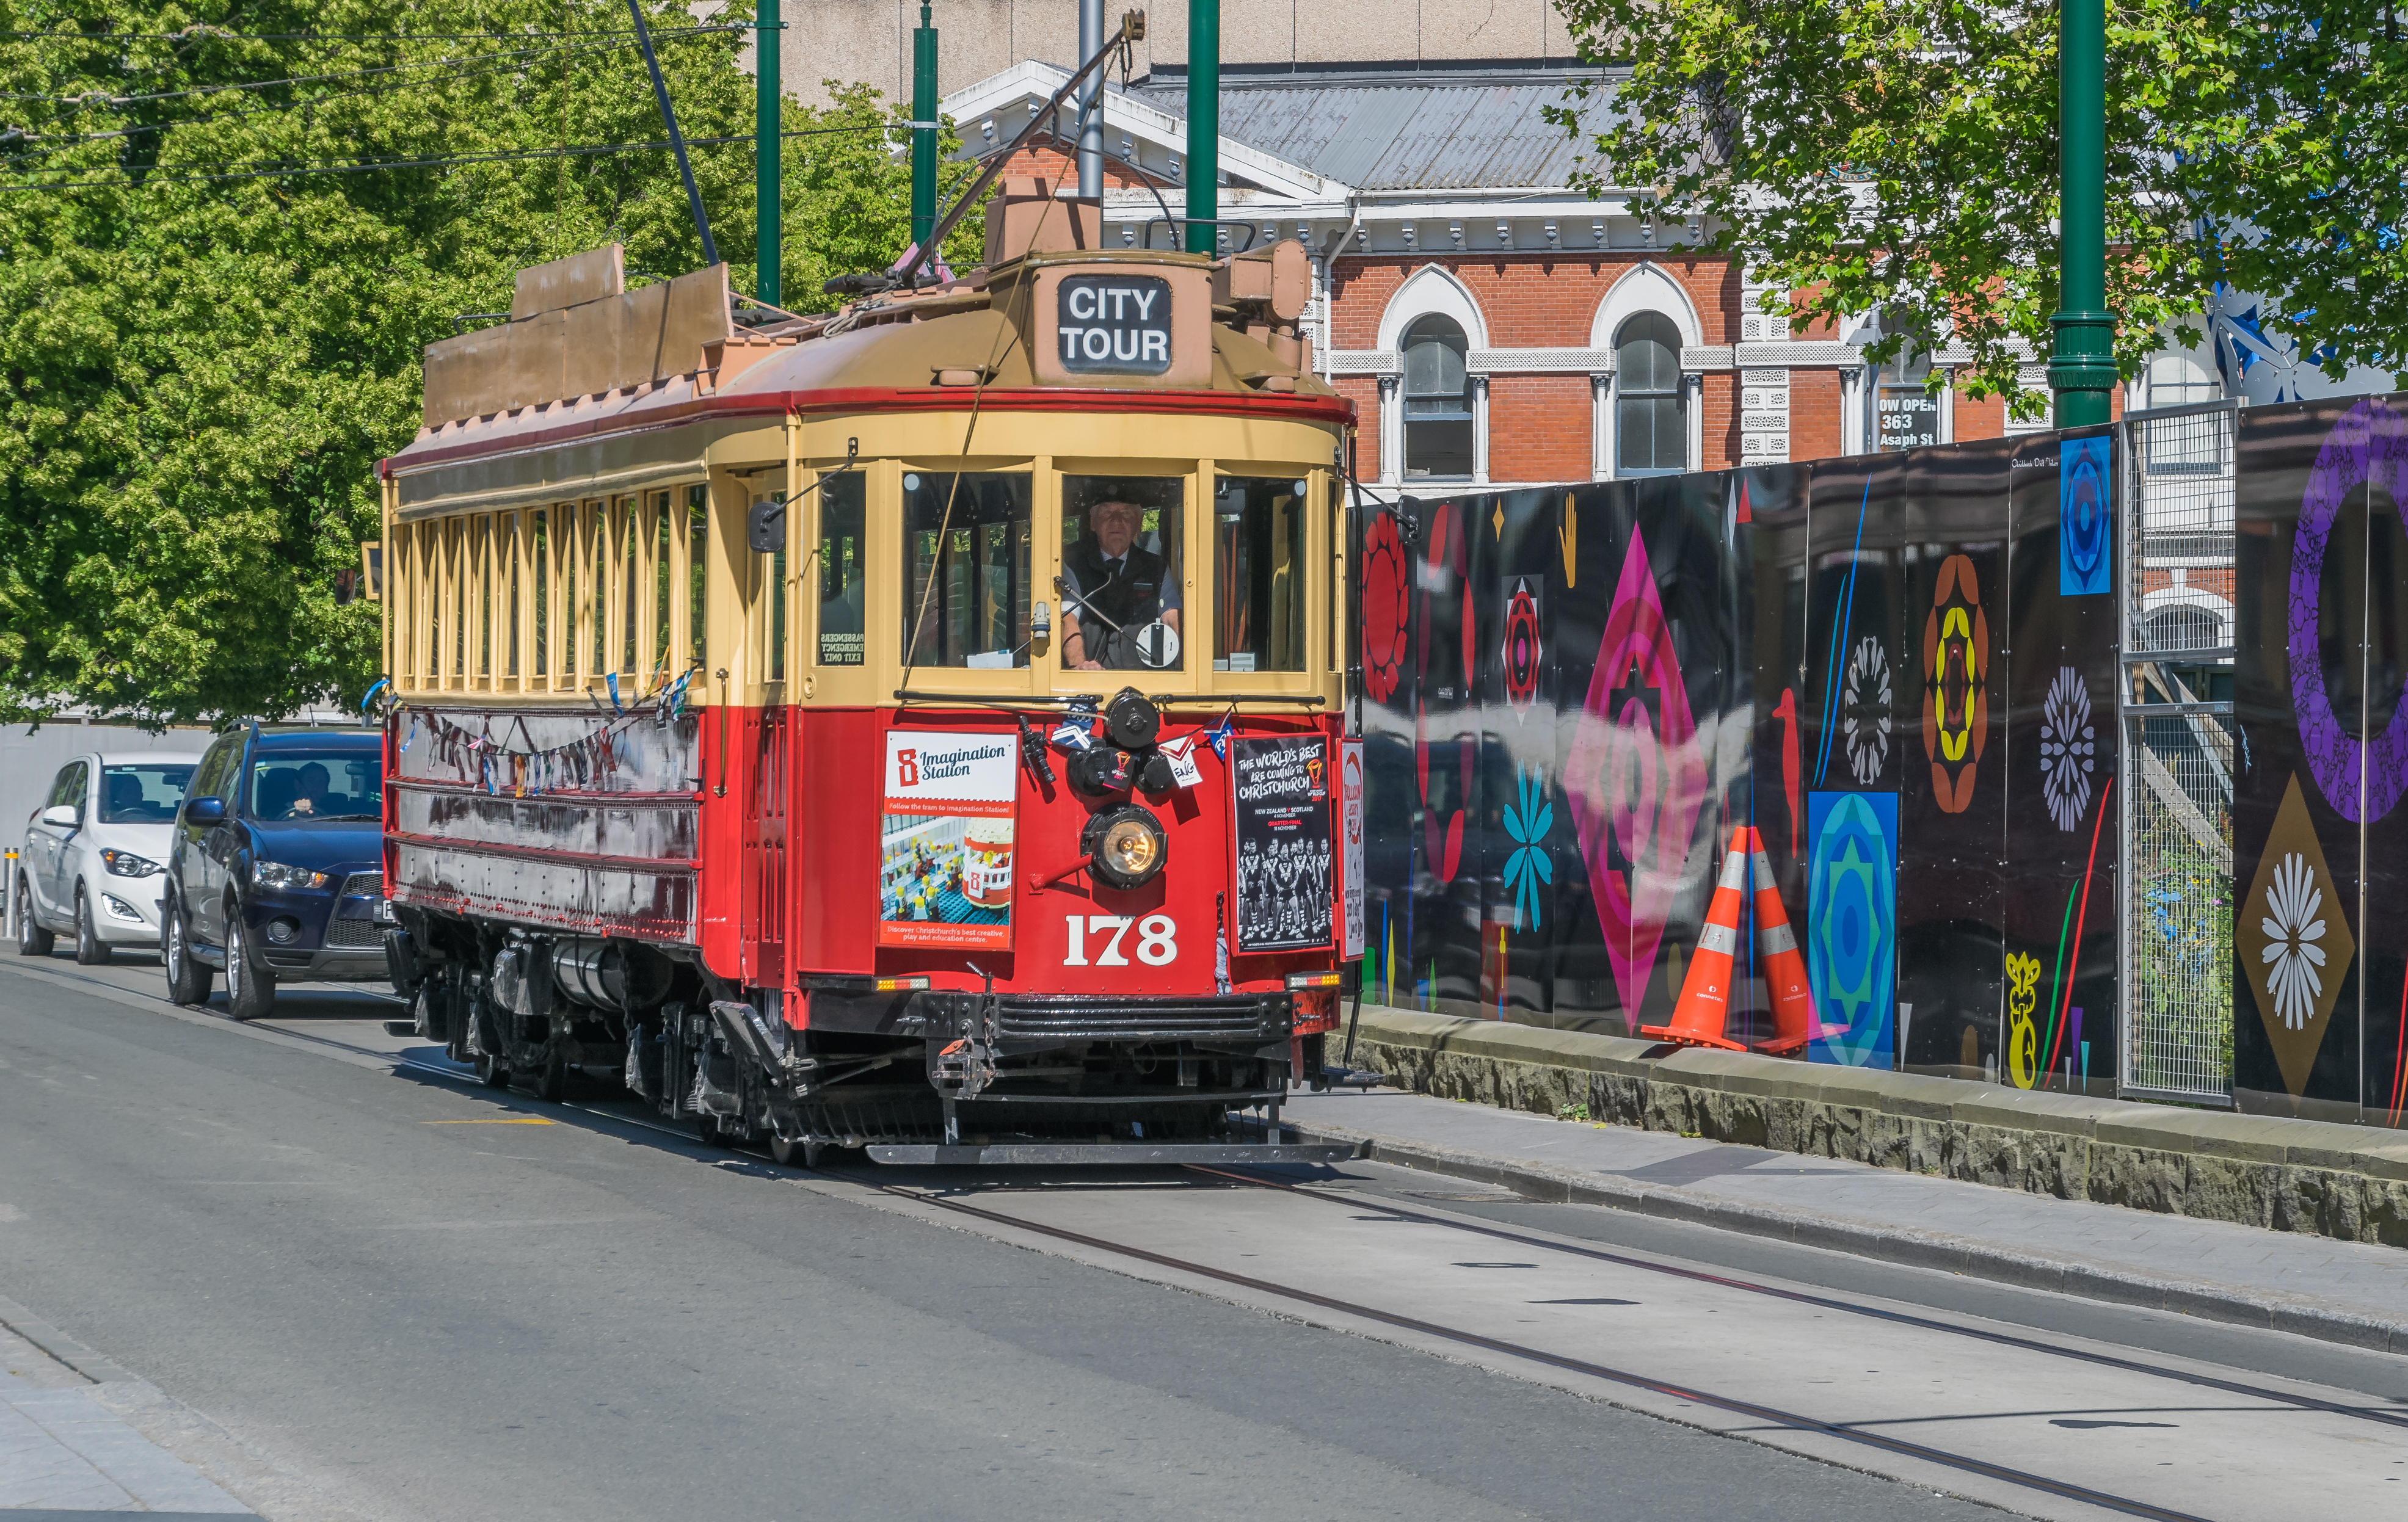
1495, 325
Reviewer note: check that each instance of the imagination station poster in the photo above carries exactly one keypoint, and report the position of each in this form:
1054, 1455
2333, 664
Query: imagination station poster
945, 840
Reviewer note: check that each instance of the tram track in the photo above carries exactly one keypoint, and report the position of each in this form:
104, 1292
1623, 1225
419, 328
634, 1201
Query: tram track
1438, 1331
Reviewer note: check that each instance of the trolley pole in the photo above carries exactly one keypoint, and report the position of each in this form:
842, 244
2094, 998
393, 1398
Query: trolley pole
1091, 116
1203, 125
923, 136
677, 138
769, 42
2082, 368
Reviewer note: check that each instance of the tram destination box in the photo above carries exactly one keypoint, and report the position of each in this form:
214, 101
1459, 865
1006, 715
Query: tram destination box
1128, 321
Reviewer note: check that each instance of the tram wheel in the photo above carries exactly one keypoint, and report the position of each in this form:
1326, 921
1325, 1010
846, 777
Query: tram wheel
491, 1071
551, 1080
786, 1154
716, 1132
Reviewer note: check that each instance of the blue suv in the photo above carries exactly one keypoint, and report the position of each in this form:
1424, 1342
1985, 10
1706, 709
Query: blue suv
276, 866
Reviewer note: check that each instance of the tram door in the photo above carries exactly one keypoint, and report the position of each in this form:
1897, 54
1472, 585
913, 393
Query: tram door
767, 582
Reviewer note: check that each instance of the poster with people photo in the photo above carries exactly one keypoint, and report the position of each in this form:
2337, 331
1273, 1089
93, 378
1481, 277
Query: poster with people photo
1283, 863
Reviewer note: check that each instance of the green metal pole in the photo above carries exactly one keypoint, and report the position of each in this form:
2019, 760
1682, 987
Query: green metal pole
923, 139
2082, 371
769, 42
1203, 125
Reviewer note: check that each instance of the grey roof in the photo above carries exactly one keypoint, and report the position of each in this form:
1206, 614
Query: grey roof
1420, 134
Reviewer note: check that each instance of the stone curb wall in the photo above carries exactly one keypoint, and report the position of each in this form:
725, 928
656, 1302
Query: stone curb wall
2346, 1182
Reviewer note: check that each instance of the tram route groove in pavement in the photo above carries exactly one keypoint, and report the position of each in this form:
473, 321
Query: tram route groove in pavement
1556, 1360
2029, 1344
700, 1150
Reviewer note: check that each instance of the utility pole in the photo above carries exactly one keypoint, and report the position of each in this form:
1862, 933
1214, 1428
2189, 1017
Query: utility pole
767, 43
2082, 369
923, 136
1091, 115
1203, 125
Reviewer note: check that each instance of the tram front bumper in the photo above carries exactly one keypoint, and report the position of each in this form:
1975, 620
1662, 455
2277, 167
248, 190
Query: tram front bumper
1254, 1024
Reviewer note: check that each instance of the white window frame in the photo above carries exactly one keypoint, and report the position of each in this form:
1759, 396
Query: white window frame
1431, 290
1646, 287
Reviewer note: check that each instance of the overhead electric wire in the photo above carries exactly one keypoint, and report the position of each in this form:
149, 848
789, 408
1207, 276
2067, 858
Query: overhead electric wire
203, 31
90, 98
62, 140
328, 166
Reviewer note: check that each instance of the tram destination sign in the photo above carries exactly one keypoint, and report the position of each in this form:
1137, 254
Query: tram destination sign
1113, 324
1282, 810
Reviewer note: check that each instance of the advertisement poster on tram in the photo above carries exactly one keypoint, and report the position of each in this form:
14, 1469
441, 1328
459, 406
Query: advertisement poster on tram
945, 840
1350, 848
1283, 857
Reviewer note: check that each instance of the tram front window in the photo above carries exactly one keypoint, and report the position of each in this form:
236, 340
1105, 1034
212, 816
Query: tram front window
843, 502
965, 589
1122, 568
1258, 574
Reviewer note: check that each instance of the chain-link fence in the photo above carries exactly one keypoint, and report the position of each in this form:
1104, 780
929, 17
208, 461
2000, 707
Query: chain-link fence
2177, 753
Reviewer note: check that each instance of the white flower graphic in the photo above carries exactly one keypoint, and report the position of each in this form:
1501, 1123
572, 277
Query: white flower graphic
1866, 704
2292, 930
2068, 746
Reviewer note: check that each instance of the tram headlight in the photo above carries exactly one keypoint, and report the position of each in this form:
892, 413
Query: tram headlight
1126, 847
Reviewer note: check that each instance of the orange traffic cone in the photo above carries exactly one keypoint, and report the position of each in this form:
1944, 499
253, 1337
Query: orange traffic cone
1785, 969
1703, 1008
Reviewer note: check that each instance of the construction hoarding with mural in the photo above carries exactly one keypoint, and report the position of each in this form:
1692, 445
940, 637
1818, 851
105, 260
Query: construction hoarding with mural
2320, 630
1899, 670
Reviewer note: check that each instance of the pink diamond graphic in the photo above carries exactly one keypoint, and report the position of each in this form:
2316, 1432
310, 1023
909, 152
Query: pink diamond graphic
1636, 778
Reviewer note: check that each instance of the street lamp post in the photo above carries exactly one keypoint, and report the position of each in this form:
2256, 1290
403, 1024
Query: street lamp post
767, 42
1203, 125
923, 138
2082, 369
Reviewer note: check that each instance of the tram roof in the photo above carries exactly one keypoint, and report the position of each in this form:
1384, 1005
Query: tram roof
636, 364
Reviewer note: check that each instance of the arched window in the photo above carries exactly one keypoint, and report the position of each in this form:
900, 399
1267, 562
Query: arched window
1438, 399
1650, 435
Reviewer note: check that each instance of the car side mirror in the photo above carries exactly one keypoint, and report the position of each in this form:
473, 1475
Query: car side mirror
205, 811
61, 814
765, 526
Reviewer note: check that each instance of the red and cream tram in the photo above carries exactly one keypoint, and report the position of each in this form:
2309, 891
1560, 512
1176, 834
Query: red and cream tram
917, 729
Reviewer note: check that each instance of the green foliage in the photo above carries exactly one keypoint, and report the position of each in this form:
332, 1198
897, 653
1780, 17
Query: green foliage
211, 317
1899, 156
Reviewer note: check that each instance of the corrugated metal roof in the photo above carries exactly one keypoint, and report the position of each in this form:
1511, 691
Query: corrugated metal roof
1400, 137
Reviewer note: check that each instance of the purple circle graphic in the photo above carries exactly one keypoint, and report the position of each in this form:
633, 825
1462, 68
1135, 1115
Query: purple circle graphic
2368, 444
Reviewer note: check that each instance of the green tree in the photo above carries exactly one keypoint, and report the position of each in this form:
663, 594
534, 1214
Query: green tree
1900, 157
228, 229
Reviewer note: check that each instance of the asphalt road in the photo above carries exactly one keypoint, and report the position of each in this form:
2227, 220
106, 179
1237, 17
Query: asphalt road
431, 1301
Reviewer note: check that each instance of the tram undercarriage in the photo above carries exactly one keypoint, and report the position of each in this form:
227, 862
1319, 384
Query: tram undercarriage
914, 1077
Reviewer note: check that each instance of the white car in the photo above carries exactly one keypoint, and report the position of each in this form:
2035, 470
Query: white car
95, 852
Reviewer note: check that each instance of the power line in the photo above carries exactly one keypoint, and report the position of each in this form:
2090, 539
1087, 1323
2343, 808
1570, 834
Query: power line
56, 141
331, 167
205, 32
88, 99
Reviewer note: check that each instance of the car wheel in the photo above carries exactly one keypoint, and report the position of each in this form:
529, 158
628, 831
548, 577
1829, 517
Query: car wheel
250, 992
32, 940
91, 950
188, 981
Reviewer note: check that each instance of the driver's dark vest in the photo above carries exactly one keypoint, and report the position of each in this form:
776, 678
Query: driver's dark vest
1132, 598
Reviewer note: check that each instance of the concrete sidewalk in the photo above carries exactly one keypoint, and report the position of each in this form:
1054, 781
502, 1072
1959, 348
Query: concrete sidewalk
2340, 1291
67, 1446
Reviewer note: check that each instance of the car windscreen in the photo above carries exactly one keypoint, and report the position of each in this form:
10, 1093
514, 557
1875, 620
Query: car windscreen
143, 793
316, 785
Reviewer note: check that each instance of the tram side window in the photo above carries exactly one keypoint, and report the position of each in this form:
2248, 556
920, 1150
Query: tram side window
1123, 564
1258, 573
965, 570
843, 542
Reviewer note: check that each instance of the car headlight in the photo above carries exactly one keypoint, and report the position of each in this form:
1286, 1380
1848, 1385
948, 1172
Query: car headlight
277, 874
1126, 846
127, 864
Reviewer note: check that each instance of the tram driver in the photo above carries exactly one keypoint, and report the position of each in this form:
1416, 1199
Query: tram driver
1115, 586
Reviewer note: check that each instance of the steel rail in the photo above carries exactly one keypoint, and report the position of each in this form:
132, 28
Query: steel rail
1905, 1318
1772, 1414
